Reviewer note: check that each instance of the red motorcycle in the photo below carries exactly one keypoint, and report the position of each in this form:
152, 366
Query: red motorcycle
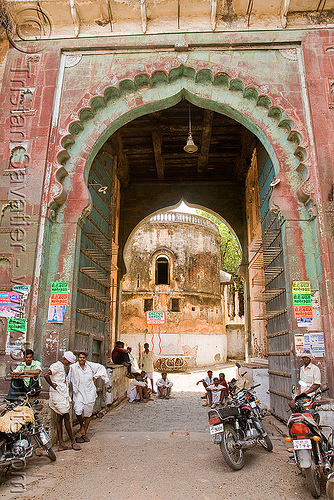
312, 448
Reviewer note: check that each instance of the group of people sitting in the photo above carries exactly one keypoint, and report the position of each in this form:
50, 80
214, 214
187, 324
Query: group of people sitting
216, 389
139, 390
141, 387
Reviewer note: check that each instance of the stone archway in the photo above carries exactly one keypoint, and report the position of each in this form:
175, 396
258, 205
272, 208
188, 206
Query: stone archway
98, 117
102, 113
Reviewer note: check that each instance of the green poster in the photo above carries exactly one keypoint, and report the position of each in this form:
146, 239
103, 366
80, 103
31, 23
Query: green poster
59, 287
17, 325
302, 299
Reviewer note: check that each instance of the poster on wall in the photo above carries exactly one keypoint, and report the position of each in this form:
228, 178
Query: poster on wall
56, 314
315, 342
9, 304
302, 299
16, 335
304, 322
59, 299
155, 317
303, 311
59, 287
299, 343
301, 287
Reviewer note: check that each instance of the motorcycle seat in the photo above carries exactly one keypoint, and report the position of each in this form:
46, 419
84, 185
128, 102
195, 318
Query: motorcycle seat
227, 412
13, 420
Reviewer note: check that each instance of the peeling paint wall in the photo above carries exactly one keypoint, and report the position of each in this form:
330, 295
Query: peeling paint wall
191, 300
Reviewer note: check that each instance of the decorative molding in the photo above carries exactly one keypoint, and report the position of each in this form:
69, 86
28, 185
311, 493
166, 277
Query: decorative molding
117, 89
290, 54
72, 60
331, 92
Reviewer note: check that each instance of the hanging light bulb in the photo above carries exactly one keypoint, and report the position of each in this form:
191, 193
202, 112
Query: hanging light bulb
190, 147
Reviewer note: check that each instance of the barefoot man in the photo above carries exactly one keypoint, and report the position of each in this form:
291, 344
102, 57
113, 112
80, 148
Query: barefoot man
164, 386
137, 390
60, 401
147, 364
83, 375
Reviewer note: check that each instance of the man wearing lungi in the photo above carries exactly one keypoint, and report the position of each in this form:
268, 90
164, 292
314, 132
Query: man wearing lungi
59, 398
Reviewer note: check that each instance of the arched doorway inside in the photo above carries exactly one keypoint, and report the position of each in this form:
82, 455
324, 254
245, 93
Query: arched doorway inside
231, 174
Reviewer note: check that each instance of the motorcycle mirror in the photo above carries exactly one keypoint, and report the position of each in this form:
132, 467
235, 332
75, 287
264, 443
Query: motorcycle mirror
238, 365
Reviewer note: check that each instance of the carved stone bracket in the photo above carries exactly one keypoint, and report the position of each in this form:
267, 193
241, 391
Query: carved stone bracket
72, 60
329, 217
290, 54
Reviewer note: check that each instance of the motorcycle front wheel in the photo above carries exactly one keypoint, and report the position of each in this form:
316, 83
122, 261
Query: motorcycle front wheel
313, 480
51, 454
330, 487
266, 443
233, 457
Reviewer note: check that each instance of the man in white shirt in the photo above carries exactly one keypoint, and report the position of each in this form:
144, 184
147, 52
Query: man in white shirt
206, 382
83, 375
216, 393
137, 390
164, 386
309, 376
59, 398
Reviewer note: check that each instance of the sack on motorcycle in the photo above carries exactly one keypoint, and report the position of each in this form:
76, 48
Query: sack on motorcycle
13, 420
228, 412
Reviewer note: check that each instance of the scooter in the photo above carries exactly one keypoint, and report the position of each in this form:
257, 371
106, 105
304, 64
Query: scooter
312, 450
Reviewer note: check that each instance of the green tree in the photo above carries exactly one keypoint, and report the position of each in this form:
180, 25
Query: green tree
230, 249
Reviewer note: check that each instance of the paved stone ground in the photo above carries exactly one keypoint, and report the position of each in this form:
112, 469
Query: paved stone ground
143, 452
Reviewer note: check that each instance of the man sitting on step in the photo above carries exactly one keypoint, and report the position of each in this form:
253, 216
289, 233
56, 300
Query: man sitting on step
216, 393
164, 386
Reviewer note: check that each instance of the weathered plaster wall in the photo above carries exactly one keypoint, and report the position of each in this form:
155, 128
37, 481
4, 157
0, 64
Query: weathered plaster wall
192, 246
235, 335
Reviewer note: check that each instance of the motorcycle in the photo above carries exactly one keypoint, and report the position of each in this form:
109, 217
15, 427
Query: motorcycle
21, 430
237, 426
313, 451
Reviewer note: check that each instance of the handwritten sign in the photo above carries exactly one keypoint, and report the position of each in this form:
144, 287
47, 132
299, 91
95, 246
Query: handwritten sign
155, 317
59, 299
17, 325
302, 299
24, 289
59, 287
301, 287
303, 311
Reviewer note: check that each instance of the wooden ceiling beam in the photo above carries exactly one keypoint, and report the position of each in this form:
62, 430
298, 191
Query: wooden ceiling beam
122, 170
157, 148
156, 134
203, 157
249, 141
